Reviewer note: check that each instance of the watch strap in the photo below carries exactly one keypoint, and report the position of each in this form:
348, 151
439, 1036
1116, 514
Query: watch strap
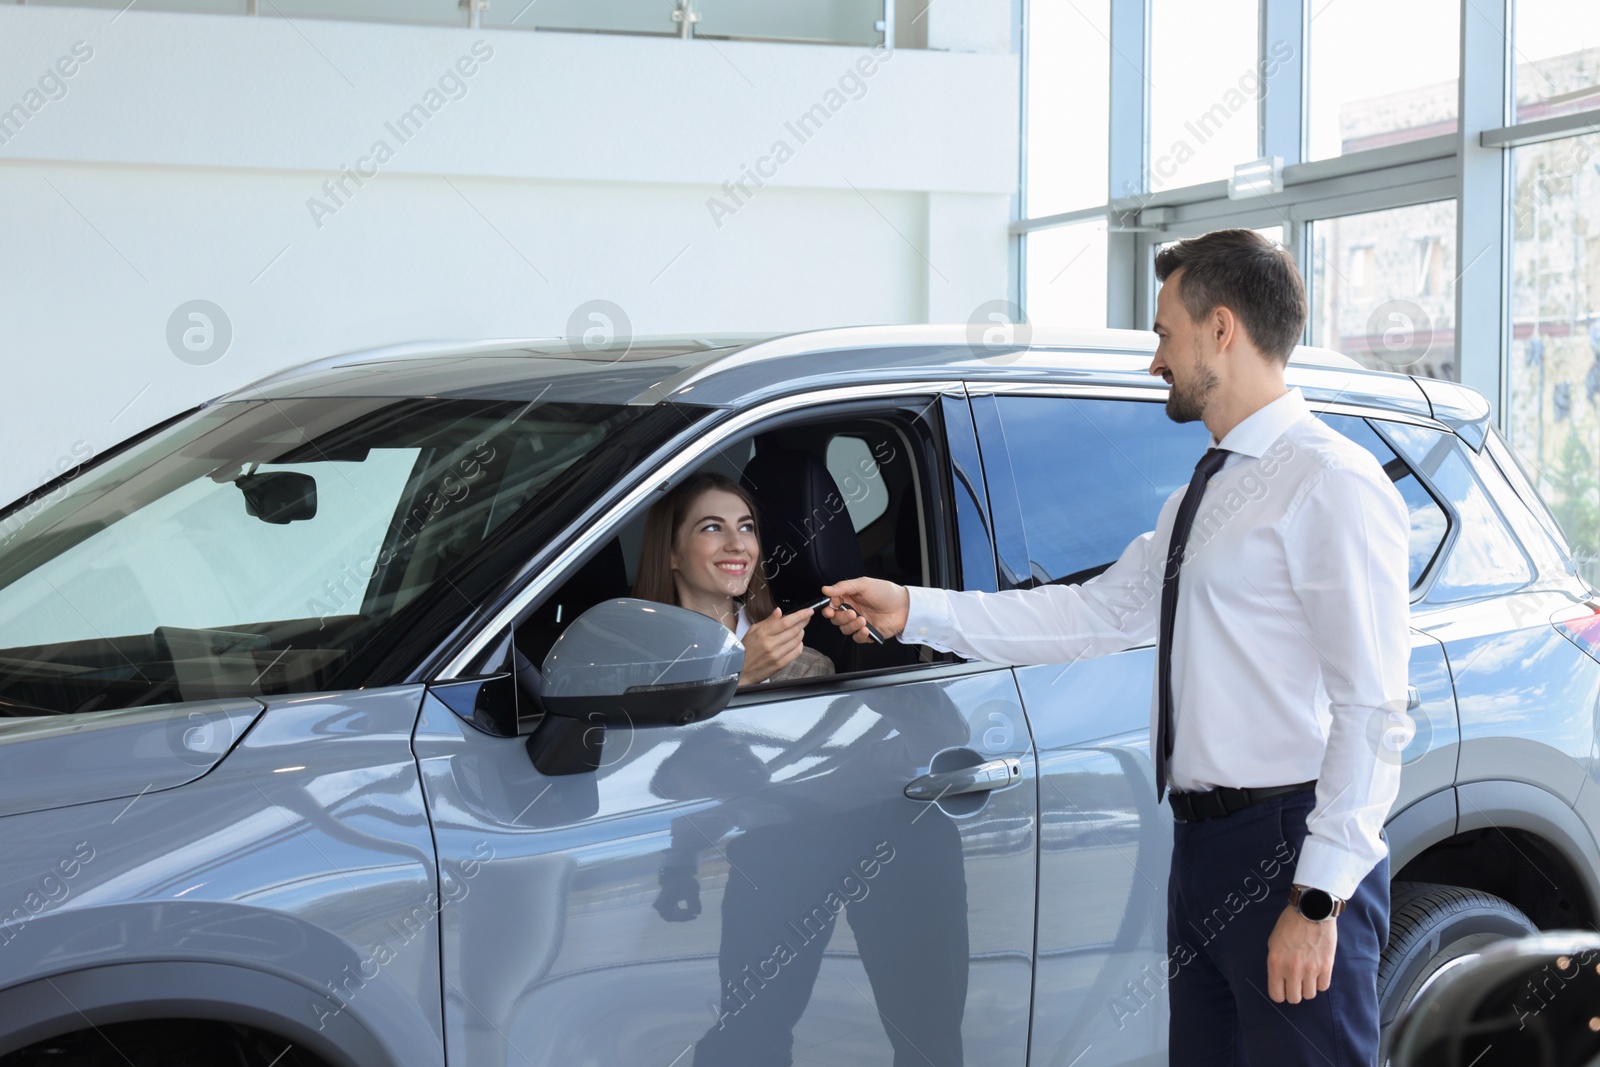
1294, 902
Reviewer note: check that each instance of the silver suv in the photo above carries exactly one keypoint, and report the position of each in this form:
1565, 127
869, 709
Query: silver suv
334, 735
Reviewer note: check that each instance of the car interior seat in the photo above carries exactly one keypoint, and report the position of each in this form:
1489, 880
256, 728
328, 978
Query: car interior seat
792, 489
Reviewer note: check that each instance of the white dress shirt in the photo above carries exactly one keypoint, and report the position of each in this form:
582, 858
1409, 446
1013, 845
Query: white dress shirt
1290, 649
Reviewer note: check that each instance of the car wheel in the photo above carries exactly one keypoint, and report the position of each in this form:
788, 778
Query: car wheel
1433, 928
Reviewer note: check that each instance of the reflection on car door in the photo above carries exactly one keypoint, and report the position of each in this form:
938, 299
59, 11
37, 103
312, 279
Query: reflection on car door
749, 889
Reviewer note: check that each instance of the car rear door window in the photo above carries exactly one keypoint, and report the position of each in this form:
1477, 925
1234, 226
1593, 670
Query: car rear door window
1092, 475
1429, 521
1484, 558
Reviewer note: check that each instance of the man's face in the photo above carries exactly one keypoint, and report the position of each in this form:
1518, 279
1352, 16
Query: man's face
1182, 358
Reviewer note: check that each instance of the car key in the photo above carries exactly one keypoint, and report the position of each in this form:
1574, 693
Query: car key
872, 631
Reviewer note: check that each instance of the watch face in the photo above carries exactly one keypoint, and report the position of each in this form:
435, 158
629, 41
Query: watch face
1316, 904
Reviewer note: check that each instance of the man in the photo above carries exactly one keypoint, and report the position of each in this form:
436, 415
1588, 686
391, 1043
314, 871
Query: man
1281, 620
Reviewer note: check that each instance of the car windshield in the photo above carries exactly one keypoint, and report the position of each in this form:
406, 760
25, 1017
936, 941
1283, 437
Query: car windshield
256, 546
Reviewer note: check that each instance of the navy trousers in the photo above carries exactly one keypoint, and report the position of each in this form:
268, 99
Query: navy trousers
1228, 885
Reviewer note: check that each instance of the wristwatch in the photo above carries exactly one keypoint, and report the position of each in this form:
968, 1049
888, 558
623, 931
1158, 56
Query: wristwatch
1318, 905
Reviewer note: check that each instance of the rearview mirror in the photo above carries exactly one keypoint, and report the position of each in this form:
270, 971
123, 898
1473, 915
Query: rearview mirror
635, 663
279, 497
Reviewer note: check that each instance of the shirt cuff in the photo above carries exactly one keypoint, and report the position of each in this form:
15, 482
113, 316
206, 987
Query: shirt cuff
928, 619
1327, 866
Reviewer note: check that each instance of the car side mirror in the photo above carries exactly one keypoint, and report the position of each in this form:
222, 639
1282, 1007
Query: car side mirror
1530, 1000
629, 662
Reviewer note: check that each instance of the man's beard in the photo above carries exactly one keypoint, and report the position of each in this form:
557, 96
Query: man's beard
1186, 403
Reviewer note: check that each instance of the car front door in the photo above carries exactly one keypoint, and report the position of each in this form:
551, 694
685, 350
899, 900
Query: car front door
758, 886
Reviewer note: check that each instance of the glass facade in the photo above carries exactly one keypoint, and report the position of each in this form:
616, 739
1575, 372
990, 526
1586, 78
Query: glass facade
439, 12
1204, 89
1553, 414
1364, 103
1067, 275
1557, 67
1382, 288
1068, 105
1381, 73
203, 7
846, 22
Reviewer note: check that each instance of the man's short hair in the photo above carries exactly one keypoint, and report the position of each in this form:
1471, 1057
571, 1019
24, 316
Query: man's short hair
1250, 275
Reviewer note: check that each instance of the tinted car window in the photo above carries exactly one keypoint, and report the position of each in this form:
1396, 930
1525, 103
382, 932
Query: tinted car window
1429, 523
1484, 558
1092, 475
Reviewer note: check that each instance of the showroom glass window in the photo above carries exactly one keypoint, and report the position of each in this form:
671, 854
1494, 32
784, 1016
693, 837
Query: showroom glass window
1556, 69
1067, 132
1381, 73
1067, 275
1382, 288
1205, 78
1068, 92
1553, 363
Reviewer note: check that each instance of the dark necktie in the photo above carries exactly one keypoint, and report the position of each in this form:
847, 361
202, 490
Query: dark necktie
1209, 464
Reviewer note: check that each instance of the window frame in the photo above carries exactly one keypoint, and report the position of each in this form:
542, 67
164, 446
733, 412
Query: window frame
1017, 533
1423, 592
910, 403
1007, 509
1425, 580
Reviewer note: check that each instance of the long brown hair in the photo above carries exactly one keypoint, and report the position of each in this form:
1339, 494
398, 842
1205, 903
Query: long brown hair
661, 523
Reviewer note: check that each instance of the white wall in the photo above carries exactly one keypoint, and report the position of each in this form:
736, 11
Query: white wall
185, 158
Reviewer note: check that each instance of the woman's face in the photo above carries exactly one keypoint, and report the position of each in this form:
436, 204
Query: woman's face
714, 548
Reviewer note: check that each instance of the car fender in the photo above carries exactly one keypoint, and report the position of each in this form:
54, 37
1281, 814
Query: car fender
1420, 826
72, 1000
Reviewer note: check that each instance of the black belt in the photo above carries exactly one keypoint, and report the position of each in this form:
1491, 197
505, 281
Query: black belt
1225, 800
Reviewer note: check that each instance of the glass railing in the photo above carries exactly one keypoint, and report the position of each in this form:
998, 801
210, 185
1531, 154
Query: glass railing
854, 22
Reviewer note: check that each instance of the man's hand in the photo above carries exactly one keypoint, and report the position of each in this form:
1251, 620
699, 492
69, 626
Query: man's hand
1299, 957
884, 604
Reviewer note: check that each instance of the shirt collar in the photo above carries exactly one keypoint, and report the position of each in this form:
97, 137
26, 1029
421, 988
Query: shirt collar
1255, 434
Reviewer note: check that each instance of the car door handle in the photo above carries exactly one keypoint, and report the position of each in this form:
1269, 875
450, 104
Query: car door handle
979, 778
1413, 697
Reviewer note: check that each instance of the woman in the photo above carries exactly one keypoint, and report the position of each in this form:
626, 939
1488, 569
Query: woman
701, 551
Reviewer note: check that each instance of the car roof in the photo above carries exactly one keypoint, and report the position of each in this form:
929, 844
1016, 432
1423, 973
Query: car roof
737, 370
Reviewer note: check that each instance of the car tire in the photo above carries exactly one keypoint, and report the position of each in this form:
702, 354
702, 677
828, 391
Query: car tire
167, 1043
1432, 928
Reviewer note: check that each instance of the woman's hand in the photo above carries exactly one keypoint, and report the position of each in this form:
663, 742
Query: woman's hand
884, 604
772, 644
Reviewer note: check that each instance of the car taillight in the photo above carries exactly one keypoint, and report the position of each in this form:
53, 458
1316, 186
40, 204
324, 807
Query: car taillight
1583, 629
